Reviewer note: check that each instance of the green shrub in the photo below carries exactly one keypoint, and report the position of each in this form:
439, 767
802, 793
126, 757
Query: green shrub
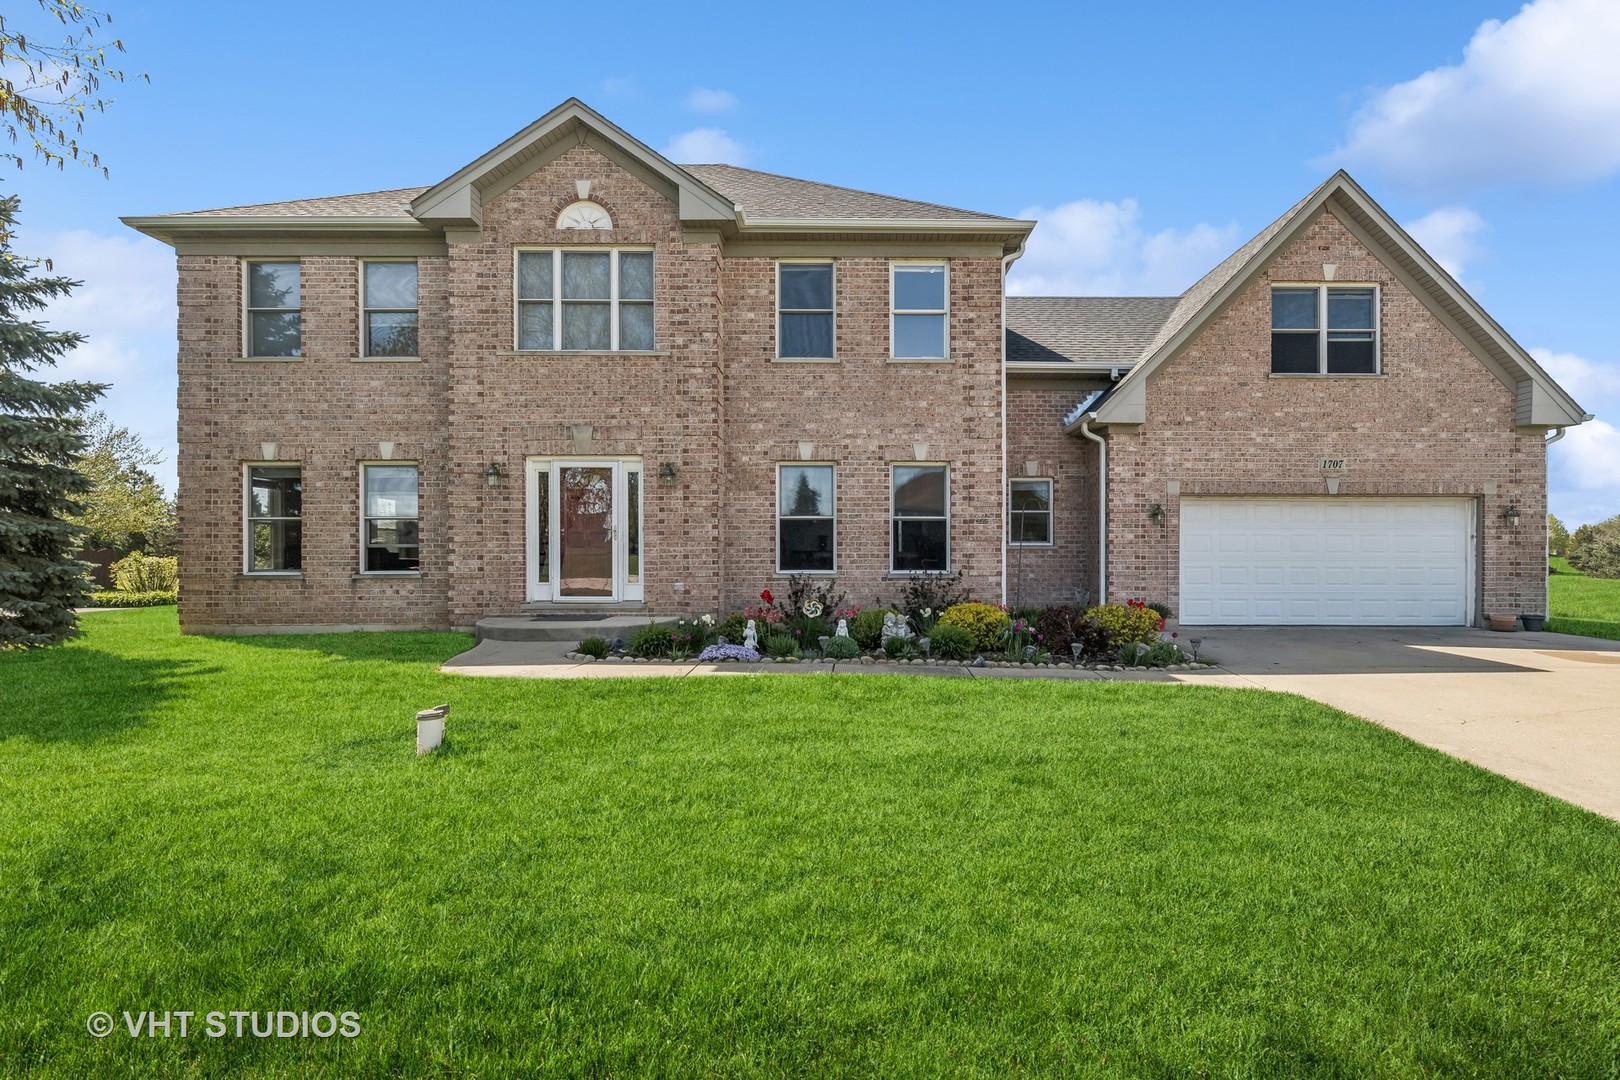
781, 645
842, 648
115, 598
1163, 610
732, 628
138, 573
651, 641
688, 636
988, 624
807, 631
950, 642
867, 628
593, 646
899, 648
1127, 623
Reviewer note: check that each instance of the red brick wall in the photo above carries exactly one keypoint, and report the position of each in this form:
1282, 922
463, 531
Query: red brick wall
323, 410
1066, 572
1436, 422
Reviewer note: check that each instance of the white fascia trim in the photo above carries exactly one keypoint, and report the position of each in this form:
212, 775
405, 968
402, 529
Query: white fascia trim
1009, 227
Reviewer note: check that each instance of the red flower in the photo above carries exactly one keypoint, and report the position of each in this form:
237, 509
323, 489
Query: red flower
767, 597
1161, 624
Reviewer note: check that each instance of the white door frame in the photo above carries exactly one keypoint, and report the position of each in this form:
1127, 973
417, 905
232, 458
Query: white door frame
540, 487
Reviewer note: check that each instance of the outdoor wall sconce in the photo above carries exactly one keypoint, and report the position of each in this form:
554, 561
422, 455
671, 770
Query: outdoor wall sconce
666, 473
1511, 516
492, 475
1156, 514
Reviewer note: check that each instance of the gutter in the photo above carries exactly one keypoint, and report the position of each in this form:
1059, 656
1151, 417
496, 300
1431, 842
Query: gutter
1102, 507
1006, 519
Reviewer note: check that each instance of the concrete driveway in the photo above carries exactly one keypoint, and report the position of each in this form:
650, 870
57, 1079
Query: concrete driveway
1543, 709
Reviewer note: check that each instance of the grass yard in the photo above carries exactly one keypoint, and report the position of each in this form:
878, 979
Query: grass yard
1582, 605
812, 876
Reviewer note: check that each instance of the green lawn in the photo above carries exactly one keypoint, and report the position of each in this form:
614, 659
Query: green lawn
776, 876
1582, 605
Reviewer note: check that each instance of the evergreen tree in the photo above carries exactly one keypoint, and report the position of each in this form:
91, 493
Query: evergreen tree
40, 442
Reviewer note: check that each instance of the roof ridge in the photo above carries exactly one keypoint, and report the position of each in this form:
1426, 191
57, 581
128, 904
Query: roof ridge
851, 190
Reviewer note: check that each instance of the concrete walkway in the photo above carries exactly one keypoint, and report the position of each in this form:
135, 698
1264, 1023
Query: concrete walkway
1543, 709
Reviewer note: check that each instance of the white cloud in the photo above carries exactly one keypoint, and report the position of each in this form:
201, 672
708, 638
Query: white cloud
1094, 248
621, 86
706, 146
126, 310
1535, 100
1451, 235
1584, 466
703, 99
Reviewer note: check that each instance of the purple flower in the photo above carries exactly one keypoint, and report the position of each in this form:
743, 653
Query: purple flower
728, 652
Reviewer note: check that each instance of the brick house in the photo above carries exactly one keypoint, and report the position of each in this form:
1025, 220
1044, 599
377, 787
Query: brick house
576, 374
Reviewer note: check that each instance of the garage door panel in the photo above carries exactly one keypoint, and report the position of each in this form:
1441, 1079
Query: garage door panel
1326, 561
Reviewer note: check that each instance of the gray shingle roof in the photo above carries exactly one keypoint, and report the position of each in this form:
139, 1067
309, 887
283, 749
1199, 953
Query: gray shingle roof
767, 195
365, 204
1086, 329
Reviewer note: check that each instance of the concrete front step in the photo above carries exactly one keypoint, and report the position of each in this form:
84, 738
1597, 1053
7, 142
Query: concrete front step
560, 626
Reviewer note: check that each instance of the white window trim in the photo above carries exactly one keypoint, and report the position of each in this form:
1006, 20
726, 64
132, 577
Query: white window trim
248, 519
776, 303
896, 265
248, 309
365, 328
1051, 512
364, 517
540, 482
557, 301
1321, 331
780, 517
946, 569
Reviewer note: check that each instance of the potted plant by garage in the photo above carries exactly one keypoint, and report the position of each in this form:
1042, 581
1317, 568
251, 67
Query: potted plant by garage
1533, 623
1502, 623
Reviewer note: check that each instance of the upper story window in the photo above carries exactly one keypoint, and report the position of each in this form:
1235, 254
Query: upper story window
273, 317
595, 300
804, 310
1324, 330
919, 311
388, 308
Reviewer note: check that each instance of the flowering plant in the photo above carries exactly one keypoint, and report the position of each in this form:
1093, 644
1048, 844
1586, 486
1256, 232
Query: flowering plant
765, 595
764, 614
728, 652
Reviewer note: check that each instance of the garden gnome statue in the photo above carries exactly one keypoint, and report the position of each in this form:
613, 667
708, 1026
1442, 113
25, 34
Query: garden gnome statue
843, 628
750, 636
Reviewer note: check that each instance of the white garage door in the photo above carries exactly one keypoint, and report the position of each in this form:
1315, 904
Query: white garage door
1340, 561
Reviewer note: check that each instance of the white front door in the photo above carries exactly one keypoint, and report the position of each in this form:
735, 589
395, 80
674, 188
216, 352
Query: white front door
584, 530
1336, 561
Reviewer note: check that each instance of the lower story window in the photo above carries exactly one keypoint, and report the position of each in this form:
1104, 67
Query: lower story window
1030, 513
389, 531
275, 528
920, 518
806, 522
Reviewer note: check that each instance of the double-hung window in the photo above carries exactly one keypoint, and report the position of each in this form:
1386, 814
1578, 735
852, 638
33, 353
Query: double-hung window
273, 316
919, 311
1324, 330
806, 519
596, 300
275, 527
389, 528
388, 306
1029, 522
804, 310
920, 520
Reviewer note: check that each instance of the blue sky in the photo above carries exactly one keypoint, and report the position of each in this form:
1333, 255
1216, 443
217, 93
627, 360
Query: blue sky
1150, 140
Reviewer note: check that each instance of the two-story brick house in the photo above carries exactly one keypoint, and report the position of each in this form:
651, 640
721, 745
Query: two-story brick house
575, 373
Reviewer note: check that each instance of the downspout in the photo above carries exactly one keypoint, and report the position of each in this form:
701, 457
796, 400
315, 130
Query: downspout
1546, 533
1006, 264
1102, 510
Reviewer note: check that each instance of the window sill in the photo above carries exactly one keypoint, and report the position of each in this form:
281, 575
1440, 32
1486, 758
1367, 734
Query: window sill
271, 575
386, 360
805, 360
574, 354
266, 359
786, 574
901, 575
1320, 375
367, 575
919, 360
1036, 547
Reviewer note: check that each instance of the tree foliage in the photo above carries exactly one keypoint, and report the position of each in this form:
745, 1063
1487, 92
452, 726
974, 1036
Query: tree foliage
40, 444
48, 87
1594, 550
126, 507
1557, 536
